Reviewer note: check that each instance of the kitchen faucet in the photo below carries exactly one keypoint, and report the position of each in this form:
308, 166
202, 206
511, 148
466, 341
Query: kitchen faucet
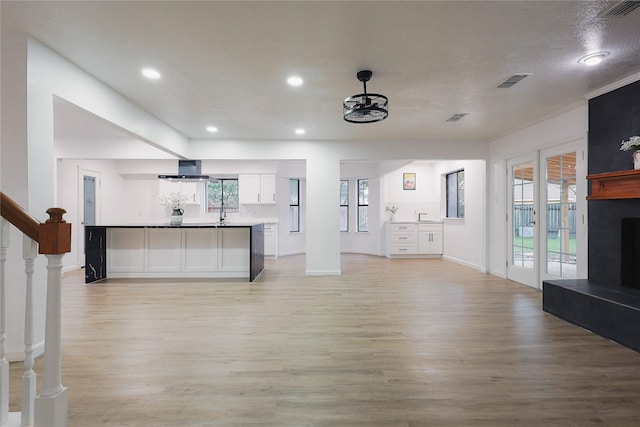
223, 214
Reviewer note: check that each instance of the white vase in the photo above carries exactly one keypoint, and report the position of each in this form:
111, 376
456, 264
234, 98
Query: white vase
636, 159
176, 217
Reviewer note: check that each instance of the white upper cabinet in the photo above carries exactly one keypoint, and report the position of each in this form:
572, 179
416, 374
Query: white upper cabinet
257, 189
191, 190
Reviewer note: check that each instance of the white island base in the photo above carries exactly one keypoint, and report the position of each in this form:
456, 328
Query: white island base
175, 252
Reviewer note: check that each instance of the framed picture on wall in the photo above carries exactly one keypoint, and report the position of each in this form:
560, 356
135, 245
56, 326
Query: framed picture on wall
408, 181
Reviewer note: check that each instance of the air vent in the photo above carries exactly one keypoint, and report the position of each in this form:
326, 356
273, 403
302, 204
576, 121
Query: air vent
512, 80
619, 10
456, 117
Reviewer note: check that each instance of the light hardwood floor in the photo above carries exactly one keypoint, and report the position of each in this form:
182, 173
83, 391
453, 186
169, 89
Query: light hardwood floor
388, 343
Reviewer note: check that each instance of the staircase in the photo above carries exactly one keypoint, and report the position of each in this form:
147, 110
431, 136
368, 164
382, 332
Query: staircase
51, 239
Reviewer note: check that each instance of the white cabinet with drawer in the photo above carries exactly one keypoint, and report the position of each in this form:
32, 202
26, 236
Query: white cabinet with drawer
413, 240
403, 239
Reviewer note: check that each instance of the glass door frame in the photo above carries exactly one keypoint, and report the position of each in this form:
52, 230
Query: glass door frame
526, 276
578, 146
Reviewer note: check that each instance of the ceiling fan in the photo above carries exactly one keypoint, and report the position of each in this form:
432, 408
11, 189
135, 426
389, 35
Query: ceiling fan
365, 107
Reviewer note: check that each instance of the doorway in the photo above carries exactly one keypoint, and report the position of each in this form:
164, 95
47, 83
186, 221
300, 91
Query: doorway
547, 227
88, 205
563, 226
522, 178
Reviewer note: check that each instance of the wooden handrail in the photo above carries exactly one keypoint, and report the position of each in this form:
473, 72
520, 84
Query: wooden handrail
13, 213
53, 236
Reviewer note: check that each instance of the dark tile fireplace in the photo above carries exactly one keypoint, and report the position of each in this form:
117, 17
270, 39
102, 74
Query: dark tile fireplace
608, 302
630, 256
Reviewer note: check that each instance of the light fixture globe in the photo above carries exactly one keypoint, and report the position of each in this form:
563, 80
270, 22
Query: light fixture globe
365, 107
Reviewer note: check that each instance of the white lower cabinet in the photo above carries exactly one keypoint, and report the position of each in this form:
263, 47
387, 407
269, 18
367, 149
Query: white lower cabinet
403, 239
235, 256
178, 252
430, 239
411, 239
163, 250
124, 254
271, 240
200, 250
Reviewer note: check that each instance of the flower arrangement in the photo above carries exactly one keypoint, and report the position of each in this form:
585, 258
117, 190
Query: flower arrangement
175, 201
632, 143
392, 209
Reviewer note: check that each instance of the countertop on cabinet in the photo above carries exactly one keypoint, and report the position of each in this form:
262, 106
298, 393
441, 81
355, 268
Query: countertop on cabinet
183, 225
415, 222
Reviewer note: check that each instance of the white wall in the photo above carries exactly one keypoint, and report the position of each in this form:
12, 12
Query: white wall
572, 125
424, 199
353, 241
115, 195
465, 239
290, 243
14, 180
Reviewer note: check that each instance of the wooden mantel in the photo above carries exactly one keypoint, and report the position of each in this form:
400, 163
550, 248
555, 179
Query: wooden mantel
615, 185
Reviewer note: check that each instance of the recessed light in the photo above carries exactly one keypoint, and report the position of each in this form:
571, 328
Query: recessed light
593, 58
294, 81
212, 129
299, 131
150, 73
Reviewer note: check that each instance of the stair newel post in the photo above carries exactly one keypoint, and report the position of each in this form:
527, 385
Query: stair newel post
4, 365
54, 241
29, 253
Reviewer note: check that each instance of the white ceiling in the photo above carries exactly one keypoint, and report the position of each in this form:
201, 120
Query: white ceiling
226, 63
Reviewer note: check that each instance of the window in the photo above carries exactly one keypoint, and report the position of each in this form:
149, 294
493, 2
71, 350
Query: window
455, 194
222, 190
363, 205
294, 205
344, 205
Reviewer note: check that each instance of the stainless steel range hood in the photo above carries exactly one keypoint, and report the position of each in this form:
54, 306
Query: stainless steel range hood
188, 170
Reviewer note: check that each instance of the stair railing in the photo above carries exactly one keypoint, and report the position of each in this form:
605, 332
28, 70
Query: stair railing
52, 239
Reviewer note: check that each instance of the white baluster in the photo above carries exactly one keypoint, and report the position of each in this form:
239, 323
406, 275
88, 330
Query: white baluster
4, 365
29, 253
51, 404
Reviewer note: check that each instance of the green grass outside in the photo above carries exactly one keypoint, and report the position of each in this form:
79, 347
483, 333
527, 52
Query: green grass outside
553, 245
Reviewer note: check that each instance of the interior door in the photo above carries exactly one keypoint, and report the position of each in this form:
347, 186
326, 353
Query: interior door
88, 205
523, 234
564, 246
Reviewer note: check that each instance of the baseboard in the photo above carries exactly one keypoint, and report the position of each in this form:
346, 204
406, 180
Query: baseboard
466, 263
70, 268
291, 253
18, 356
362, 253
323, 272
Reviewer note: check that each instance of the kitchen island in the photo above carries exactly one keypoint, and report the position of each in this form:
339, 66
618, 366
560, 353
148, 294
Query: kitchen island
202, 250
